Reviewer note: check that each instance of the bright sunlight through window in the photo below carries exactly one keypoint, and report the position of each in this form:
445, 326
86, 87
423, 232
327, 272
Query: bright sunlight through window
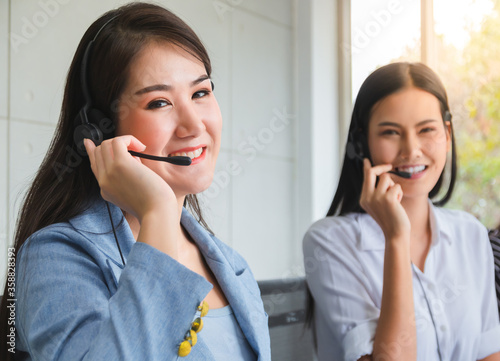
465, 52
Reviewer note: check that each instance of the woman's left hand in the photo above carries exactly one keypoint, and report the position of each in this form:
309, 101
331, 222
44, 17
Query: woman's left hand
382, 201
125, 181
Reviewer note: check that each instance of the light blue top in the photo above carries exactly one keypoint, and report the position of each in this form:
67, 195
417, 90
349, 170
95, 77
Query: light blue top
76, 301
223, 335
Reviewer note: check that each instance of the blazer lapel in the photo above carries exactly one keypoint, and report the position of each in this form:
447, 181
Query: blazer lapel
238, 285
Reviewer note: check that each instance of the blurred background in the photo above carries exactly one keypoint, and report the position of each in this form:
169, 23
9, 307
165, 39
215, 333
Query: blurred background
286, 74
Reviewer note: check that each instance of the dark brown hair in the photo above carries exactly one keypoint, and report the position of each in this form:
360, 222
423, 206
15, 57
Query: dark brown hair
64, 183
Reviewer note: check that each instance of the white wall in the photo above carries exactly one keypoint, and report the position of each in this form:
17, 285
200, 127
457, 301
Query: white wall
253, 203
318, 83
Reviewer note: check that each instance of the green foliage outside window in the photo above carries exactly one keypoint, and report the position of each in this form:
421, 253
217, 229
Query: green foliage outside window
472, 78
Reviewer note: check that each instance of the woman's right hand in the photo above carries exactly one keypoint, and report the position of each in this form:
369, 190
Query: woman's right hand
383, 201
124, 180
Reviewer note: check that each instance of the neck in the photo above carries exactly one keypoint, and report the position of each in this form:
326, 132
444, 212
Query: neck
135, 225
417, 210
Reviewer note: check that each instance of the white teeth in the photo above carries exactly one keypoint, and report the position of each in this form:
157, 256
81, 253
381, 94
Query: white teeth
194, 154
412, 170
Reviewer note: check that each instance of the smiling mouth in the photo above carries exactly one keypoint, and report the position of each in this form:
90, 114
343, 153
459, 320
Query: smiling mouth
412, 170
193, 155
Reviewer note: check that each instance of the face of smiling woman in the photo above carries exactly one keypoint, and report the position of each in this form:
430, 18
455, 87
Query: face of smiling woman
406, 130
169, 106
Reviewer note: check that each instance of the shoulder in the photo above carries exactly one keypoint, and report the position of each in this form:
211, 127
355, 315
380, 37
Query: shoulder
87, 234
343, 231
459, 223
335, 224
456, 215
59, 247
465, 234
50, 236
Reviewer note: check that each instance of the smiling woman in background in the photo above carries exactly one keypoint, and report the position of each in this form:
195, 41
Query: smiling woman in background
392, 275
110, 265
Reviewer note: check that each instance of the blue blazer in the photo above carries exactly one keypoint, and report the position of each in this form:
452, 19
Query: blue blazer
76, 301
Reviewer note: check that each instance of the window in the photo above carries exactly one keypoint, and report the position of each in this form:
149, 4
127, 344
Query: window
464, 49
381, 32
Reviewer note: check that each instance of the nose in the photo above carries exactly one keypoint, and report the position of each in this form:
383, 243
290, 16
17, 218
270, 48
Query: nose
189, 121
410, 147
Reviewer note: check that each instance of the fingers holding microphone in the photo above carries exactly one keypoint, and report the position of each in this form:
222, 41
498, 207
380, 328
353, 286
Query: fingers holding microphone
375, 184
102, 157
123, 179
381, 198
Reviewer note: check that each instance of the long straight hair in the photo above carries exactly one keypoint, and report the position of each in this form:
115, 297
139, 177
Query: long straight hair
383, 82
64, 183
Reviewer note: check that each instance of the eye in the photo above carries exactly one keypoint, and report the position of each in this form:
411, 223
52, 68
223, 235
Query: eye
158, 103
389, 132
427, 130
201, 94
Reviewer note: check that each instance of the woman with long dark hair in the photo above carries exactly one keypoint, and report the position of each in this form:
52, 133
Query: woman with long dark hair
391, 274
110, 265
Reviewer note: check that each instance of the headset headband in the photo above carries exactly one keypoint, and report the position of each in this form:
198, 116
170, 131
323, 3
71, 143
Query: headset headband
83, 74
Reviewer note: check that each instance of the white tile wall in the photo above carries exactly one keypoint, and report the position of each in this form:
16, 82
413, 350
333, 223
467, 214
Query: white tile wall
216, 200
277, 10
41, 60
263, 215
29, 142
4, 45
262, 86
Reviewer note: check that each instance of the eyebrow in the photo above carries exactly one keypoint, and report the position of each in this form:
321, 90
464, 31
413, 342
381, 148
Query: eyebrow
391, 124
165, 87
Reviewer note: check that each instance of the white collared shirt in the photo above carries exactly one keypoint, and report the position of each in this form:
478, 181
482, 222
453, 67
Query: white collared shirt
456, 311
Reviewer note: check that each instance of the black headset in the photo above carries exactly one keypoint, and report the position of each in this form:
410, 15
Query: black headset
89, 120
355, 147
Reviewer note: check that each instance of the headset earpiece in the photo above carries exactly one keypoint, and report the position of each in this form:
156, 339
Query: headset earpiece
85, 129
447, 116
354, 150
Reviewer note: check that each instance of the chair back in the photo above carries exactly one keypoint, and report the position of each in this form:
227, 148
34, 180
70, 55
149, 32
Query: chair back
285, 303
